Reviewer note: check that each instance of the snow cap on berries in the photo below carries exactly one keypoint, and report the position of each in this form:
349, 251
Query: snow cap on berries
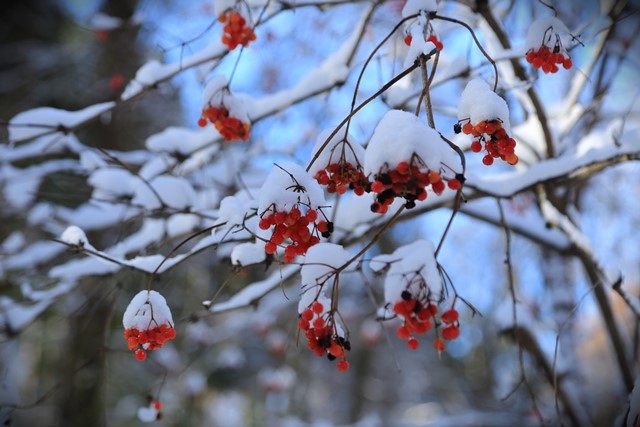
288, 184
215, 93
319, 263
400, 135
543, 31
147, 310
478, 103
404, 262
332, 152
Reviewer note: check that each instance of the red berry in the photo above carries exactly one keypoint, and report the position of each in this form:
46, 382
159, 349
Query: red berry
270, 247
454, 184
476, 146
157, 405
487, 160
343, 365
408, 39
140, 354
413, 343
317, 307
438, 344
451, 333
311, 215
377, 187
403, 332
450, 316
202, 122
307, 314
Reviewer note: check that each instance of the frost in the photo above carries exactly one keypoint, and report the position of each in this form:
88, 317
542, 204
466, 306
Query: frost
351, 149
478, 102
45, 120
404, 265
287, 185
248, 253
148, 309
401, 135
74, 236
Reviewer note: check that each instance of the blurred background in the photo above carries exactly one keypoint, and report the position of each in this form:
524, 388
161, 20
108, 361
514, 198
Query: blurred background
70, 367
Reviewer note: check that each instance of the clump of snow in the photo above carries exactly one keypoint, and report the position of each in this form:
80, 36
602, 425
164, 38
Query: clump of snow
148, 414
287, 185
332, 153
216, 93
401, 135
103, 22
234, 209
175, 192
319, 267
478, 102
180, 224
407, 266
248, 253
112, 182
45, 120
147, 310
147, 75
74, 236
413, 7
90, 160
543, 31
179, 140
277, 379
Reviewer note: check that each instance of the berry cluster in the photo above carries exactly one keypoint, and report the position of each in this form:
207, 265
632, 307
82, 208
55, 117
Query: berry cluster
143, 341
322, 337
549, 60
408, 181
340, 176
496, 141
231, 128
418, 317
235, 31
432, 38
293, 227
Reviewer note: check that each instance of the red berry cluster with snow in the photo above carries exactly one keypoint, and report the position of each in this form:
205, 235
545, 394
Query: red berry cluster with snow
485, 116
545, 48
338, 164
225, 111
148, 324
236, 31
290, 208
405, 157
325, 336
414, 290
419, 33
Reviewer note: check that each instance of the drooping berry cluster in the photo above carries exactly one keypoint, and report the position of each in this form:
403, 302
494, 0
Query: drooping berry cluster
549, 60
338, 177
322, 336
231, 128
418, 316
432, 38
292, 230
408, 180
235, 31
143, 341
497, 142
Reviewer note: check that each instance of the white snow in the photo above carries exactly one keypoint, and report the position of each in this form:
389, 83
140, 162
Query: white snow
478, 102
112, 182
180, 224
175, 192
147, 414
286, 185
400, 135
318, 273
248, 253
180, 140
403, 263
103, 22
147, 310
44, 120
543, 31
333, 151
234, 209
413, 7
74, 236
